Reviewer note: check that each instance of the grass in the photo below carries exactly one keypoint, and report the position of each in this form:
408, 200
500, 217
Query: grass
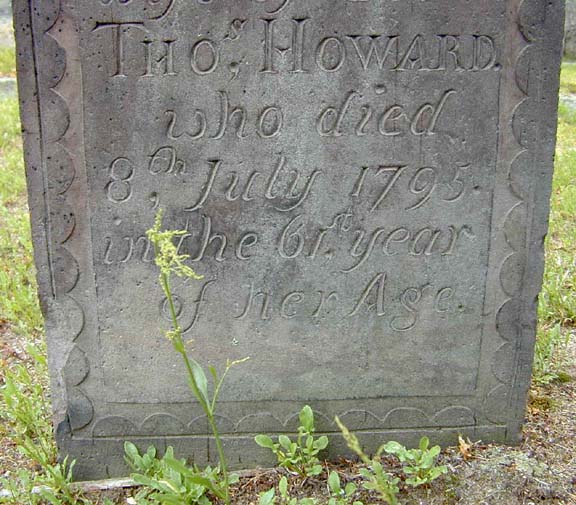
24, 409
557, 308
557, 302
24, 404
568, 82
7, 62
18, 301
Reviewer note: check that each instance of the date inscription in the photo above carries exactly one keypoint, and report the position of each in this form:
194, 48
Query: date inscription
335, 173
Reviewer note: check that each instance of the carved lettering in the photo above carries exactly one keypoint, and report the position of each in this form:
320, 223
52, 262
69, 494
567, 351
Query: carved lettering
285, 192
391, 120
295, 45
204, 57
376, 289
271, 51
265, 311
294, 298
267, 123
166, 60
119, 189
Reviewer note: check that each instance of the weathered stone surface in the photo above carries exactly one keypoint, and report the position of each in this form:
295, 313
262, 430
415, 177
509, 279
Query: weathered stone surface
364, 186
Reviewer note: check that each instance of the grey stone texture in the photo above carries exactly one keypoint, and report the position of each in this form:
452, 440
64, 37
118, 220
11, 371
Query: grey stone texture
364, 186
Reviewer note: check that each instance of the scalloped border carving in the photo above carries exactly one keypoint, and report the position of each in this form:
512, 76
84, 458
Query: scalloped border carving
61, 173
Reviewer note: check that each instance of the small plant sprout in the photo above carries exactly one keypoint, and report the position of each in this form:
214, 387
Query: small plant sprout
171, 263
339, 496
298, 457
162, 480
375, 478
269, 497
419, 465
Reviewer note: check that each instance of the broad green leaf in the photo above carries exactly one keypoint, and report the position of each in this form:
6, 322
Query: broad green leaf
170, 486
207, 483
285, 442
393, 447
131, 451
424, 443
267, 498
214, 374
367, 474
264, 441
307, 418
283, 487
321, 443
201, 380
334, 483
167, 499
142, 480
427, 461
350, 488
178, 466
315, 470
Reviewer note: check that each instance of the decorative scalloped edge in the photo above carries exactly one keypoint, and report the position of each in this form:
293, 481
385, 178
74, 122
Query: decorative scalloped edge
63, 226
508, 326
400, 417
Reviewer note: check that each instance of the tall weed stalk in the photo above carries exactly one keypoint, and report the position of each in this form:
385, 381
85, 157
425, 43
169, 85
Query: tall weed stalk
170, 263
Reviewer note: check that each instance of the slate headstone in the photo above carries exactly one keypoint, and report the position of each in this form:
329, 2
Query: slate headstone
364, 186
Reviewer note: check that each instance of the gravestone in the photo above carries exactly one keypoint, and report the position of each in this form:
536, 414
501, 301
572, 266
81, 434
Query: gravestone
363, 184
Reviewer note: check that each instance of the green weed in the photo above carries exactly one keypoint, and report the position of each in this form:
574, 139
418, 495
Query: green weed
299, 457
419, 465
339, 496
26, 411
269, 497
168, 481
375, 478
171, 263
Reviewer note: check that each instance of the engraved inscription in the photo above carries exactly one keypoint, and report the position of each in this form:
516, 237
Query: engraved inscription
295, 46
333, 179
215, 124
390, 121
